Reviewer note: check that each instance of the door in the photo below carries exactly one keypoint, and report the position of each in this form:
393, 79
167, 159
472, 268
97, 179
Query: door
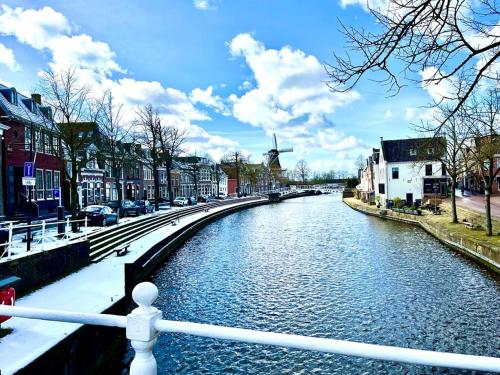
409, 199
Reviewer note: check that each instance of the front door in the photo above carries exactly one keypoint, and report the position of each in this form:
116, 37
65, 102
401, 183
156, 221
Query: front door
409, 199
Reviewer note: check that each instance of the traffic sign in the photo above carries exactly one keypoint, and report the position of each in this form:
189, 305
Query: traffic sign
29, 181
56, 193
28, 169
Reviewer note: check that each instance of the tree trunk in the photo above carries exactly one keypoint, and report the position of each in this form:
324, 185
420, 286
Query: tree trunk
454, 217
74, 195
168, 168
487, 194
156, 178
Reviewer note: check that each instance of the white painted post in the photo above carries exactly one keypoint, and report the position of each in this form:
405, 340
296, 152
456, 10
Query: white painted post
85, 227
10, 239
141, 329
43, 235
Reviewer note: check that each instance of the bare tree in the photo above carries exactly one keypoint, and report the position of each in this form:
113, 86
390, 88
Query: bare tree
448, 135
234, 159
302, 170
73, 123
114, 134
484, 122
150, 134
171, 140
455, 38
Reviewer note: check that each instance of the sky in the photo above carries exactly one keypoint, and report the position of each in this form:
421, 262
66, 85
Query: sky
229, 72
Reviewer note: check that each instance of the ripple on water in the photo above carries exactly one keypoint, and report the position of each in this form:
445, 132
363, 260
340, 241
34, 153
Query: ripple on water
313, 266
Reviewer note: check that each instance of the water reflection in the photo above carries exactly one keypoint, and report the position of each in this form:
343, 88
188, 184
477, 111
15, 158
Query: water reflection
313, 266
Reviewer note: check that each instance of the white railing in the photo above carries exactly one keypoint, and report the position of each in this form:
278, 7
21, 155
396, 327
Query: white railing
45, 235
144, 324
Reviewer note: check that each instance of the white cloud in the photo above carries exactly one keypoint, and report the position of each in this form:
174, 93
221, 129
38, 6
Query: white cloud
205, 4
8, 59
46, 29
207, 98
246, 85
290, 95
443, 90
37, 28
388, 114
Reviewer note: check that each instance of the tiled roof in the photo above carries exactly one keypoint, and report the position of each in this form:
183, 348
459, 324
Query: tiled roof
399, 150
21, 111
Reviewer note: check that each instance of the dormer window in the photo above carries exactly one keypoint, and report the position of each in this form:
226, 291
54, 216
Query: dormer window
30, 104
430, 151
10, 95
413, 152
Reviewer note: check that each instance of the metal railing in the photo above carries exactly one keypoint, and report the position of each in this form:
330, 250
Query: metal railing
44, 234
144, 324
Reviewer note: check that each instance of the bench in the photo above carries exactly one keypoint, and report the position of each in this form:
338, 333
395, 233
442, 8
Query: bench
122, 250
9, 281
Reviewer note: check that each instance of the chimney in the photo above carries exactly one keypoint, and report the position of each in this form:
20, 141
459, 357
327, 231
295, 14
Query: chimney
37, 98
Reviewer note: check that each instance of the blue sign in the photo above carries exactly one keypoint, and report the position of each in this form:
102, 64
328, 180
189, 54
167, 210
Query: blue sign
28, 169
56, 193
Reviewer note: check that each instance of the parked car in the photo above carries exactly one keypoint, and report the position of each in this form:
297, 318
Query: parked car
99, 215
180, 201
145, 206
127, 208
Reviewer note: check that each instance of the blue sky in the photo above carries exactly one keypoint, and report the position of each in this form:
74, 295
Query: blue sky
228, 72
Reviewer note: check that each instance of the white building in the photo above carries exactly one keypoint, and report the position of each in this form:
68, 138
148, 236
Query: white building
408, 169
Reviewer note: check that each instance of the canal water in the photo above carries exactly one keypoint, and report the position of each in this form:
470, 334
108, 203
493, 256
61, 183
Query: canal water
312, 266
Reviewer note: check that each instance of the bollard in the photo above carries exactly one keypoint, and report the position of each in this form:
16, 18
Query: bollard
86, 227
10, 239
60, 221
141, 329
43, 235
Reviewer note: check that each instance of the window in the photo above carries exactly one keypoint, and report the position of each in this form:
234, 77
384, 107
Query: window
395, 173
57, 180
48, 184
430, 151
55, 146
428, 169
27, 137
46, 144
413, 152
443, 169
39, 184
38, 141
381, 188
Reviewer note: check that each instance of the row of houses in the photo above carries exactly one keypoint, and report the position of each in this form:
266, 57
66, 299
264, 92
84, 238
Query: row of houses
25, 138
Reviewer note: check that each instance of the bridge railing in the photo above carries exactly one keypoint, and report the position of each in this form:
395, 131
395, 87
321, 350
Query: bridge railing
145, 323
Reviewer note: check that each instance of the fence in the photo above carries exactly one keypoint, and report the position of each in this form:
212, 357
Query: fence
144, 324
44, 234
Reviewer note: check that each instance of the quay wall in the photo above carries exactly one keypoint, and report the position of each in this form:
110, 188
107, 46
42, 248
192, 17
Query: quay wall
486, 254
41, 268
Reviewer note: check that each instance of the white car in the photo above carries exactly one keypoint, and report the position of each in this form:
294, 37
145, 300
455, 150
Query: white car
180, 201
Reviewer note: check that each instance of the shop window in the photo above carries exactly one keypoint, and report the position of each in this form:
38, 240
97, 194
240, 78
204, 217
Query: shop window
48, 184
39, 184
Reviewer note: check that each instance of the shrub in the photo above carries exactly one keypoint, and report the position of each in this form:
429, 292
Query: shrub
398, 203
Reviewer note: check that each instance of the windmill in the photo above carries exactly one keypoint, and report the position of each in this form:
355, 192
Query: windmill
273, 161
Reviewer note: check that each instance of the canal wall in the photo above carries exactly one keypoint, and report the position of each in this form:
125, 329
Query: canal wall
486, 254
41, 268
104, 287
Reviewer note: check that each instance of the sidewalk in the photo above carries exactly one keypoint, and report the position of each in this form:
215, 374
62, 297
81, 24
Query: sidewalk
476, 203
76, 292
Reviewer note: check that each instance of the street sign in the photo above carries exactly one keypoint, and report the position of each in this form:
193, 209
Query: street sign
29, 181
28, 169
56, 193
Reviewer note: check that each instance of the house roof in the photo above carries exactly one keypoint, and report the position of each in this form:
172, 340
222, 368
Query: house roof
23, 108
399, 150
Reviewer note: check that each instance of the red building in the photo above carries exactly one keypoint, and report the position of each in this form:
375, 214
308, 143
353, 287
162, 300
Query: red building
29, 139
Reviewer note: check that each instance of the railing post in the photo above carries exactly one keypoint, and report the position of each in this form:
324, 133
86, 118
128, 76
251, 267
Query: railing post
141, 329
86, 227
10, 239
43, 235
